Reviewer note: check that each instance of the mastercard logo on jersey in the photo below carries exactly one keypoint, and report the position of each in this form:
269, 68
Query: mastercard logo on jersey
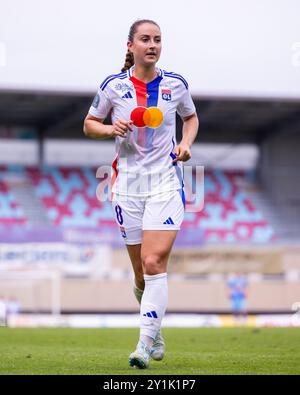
151, 117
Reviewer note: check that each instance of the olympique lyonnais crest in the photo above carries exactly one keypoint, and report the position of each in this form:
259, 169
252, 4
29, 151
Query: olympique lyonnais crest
166, 94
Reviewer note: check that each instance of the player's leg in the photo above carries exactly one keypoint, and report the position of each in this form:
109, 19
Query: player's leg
129, 217
155, 253
129, 214
140, 358
134, 252
162, 220
156, 248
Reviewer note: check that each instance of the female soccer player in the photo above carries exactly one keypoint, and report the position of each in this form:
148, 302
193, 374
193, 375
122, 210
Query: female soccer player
147, 182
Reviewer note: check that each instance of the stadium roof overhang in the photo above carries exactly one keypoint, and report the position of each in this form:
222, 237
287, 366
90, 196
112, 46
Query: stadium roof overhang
236, 120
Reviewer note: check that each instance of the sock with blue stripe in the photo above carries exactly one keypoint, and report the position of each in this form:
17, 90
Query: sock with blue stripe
153, 306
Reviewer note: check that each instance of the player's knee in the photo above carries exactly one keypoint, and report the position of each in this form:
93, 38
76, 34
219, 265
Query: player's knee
152, 264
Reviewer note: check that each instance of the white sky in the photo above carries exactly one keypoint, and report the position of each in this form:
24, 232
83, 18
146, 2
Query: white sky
222, 47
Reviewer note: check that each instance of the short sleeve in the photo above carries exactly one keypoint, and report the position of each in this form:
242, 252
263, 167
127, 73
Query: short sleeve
101, 104
186, 105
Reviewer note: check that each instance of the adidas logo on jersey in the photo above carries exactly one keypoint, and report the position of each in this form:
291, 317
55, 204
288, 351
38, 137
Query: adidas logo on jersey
127, 95
169, 221
151, 314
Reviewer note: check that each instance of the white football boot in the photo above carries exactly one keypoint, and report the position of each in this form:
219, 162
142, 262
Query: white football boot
140, 357
157, 351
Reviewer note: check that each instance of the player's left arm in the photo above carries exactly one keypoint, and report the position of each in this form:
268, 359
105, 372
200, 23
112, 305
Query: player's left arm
189, 133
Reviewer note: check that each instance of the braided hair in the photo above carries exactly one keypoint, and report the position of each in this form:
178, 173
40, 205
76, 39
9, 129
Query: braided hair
129, 59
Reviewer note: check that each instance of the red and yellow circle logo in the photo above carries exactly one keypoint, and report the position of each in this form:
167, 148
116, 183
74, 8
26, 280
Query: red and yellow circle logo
151, 117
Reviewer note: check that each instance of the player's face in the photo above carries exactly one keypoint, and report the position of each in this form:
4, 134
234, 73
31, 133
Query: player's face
146, 45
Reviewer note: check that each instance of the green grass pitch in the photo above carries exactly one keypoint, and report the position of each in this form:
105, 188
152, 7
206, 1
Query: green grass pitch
189, 351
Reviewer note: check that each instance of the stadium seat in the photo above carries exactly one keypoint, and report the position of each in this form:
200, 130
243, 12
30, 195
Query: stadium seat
229, 215
69, 198
11, 212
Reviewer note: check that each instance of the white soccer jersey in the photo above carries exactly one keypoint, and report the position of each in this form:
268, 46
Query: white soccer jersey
143, 163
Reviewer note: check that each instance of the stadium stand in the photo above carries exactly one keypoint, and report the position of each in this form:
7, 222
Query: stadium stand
68, 197
229, 214
11, 212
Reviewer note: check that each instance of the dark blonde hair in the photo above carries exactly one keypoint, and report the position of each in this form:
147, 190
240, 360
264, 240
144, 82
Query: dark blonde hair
129, 59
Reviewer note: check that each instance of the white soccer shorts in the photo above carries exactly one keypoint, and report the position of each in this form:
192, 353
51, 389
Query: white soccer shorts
164, 211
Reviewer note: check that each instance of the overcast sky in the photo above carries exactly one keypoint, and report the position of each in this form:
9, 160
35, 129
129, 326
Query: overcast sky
222, 47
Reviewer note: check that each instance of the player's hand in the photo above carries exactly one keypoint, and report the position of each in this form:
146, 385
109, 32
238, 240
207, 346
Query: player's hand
182, 152
120, 128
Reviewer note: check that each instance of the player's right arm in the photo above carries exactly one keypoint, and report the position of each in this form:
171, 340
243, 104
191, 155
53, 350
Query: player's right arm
94, 128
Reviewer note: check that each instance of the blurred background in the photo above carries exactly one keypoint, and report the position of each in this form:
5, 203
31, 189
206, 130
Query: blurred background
62, 259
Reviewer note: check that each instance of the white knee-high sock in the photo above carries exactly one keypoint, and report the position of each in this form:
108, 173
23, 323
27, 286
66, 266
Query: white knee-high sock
153, 304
